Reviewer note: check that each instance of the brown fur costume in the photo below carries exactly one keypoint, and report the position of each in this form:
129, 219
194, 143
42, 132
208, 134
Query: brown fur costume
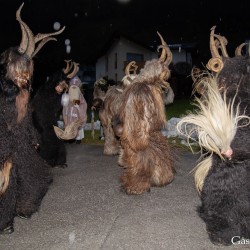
111, 103
110, 108
145, 154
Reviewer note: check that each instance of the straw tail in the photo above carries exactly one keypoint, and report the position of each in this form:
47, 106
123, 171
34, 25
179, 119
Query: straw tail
5, 176
70, 132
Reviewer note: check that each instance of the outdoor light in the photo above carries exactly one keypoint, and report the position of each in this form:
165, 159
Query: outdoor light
67, 42
57, 26
68, 49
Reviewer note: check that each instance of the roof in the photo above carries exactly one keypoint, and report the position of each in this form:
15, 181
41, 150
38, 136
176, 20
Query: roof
116, 36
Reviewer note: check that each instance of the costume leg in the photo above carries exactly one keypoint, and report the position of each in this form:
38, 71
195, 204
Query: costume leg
7, 206
226, 201
111, 144
136, 177
53, 149
33, 183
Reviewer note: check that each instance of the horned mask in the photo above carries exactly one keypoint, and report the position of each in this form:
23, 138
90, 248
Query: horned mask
19, 63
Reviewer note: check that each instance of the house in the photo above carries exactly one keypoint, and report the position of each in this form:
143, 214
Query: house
121, 50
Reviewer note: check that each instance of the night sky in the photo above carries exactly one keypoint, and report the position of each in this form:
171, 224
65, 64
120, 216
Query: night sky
90, 24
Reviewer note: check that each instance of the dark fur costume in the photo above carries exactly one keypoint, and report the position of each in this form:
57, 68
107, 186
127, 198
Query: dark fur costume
47, 109
25, 175
30, 176
225, 195
226, 201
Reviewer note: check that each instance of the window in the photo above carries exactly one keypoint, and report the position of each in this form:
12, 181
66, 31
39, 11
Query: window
135, 57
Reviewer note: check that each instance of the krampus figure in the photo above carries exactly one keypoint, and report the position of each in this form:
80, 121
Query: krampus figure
75, 112
47, 108
145, 154
100, 89
222, 126
110, 102
24, 176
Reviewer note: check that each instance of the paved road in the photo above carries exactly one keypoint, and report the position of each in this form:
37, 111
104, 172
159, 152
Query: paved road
85, 209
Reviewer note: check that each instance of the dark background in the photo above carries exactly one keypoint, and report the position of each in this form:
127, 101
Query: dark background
91, 23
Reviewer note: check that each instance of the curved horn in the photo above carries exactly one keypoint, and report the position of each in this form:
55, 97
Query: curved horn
30, 37
163, 76
131, 66
45, 38
213, 47
163, 44
76, 68
239, 49
24, 42
223, 43
215, 63
195, 72
198, 77
165, 51
40, 36
41, 44
68, 66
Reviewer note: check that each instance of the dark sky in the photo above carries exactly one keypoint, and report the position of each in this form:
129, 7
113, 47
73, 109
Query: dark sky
90, 23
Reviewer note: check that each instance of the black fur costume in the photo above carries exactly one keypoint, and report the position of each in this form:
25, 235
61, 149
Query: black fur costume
30, 176
47, 110
225, 195
24, 176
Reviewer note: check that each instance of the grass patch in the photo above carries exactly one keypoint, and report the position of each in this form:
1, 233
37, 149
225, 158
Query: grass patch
179, 108
88, 138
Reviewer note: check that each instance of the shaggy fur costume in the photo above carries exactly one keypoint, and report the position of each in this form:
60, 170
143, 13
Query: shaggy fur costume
47, 110
29, 177
108, 111
107, 98
226, 191
24, 175
145, 154
222, 178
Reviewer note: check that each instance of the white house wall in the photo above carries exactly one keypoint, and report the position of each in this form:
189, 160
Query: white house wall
124, 46
101, 68
121, 47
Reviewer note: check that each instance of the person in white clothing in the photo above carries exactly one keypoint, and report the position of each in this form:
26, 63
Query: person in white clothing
76, 108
